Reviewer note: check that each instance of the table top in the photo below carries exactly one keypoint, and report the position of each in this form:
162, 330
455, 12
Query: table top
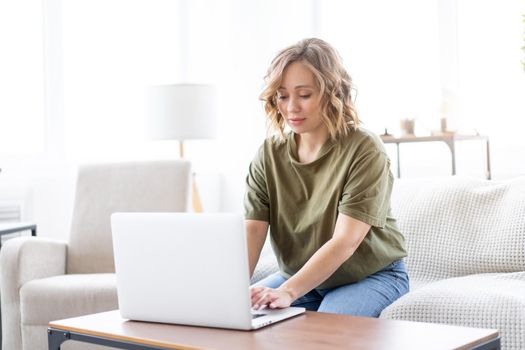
449, 136
311, 330
10, 227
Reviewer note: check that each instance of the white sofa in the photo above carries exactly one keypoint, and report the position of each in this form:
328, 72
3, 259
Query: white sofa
466, 254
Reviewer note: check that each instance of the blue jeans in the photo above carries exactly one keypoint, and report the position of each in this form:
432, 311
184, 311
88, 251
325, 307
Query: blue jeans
367, 297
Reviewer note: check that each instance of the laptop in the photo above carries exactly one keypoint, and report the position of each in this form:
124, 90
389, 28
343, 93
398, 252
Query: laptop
185, 268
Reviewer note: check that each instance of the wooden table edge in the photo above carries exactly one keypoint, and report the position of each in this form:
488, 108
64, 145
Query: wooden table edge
111, 336
492, 336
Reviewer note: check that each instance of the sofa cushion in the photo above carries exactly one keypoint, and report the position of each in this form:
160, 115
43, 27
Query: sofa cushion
456, 226
65, 296
267, 263
492, 301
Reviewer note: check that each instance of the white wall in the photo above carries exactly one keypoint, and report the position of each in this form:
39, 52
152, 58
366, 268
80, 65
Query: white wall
492, 79
46, 198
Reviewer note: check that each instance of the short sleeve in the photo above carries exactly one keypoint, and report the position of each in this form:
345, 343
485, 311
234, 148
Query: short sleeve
256, 201
366, 193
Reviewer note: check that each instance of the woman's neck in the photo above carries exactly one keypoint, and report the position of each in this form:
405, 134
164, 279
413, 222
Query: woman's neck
309, 145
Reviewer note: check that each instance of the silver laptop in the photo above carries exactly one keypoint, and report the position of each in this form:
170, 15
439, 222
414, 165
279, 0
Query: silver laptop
189, 269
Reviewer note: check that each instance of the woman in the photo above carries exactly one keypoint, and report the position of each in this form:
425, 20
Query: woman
324, 189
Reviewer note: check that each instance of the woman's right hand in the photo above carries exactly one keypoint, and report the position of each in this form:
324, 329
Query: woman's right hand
270, 297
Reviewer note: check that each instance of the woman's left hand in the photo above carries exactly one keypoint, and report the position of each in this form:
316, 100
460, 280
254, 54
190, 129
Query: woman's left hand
273, 298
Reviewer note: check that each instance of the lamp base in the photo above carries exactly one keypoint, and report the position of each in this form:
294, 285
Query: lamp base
195, 198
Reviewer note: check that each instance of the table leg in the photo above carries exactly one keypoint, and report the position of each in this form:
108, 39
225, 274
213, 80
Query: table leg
494, 344
398, 162
488, 173
55, 339
452, 148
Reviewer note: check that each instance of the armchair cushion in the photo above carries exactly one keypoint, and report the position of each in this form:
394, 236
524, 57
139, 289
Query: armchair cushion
64, 296
105, 188
60, 297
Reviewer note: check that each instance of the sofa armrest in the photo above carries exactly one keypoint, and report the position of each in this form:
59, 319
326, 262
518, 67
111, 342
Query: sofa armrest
21, 260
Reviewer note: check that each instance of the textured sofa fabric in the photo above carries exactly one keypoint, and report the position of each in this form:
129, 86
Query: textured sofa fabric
266, 265
481, 300
43, 280
459, 226
466, 254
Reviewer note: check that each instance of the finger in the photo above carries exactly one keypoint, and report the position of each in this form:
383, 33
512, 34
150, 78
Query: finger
256, 292
274, 302
262, 301
278, 304
259, 294
257, 288
273, 298
255, 300
256, 296
279, 300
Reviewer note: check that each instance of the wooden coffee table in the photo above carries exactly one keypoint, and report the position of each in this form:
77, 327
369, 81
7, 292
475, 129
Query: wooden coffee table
312, 330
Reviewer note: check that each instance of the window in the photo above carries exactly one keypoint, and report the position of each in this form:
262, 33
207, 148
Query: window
22, 127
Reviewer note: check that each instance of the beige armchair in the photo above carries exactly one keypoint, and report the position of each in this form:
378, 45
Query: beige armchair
43, 280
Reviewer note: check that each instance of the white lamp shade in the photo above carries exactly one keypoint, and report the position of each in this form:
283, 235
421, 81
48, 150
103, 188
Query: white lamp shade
180, 111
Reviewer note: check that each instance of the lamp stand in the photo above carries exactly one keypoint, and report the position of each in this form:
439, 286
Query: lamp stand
181, 149
195, 198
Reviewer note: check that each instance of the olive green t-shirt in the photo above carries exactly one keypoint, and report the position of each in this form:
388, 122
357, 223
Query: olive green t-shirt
301, 202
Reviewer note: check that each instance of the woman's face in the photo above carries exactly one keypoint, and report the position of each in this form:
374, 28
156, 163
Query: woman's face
298, 99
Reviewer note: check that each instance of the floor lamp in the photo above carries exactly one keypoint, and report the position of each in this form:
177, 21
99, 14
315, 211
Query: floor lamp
181, 112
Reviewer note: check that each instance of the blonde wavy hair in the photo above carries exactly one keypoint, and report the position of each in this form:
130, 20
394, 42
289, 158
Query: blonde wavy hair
335, 86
